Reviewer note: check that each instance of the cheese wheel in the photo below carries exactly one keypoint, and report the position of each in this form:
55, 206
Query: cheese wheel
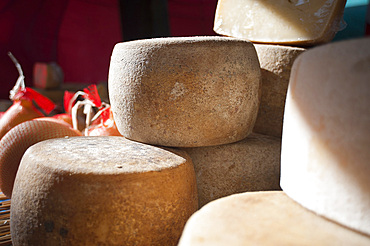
276, 62
185, 91
252, 164
292, 22
101, 191
326, 134
263, 218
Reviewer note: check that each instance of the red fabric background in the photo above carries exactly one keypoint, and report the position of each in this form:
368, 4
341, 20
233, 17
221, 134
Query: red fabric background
79, 35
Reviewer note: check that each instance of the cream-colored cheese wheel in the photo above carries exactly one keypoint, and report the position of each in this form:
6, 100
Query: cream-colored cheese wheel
292, 22
264, 218
276, 62
326, 134
252, 164
101, 191
185, 91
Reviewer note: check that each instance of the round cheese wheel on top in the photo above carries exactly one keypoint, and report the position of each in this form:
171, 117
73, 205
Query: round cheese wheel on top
325, 161
185, 91
264, 218
101, 191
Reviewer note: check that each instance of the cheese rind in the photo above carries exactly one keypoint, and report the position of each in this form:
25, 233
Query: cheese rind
280, 21
263, 218
185, 92
276, 62
101, 191
326, 134
252, 164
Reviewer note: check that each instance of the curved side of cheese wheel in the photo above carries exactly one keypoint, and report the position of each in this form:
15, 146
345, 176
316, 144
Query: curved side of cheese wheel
185, 91
276, 63
19, 138
325, 161
263, 218
252, 164
102, 191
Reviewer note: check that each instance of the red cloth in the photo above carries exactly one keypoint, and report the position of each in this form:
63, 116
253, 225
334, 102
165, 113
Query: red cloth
79, 35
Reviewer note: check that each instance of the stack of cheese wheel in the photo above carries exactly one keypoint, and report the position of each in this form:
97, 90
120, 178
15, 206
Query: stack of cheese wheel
101, 191
201, 94
325, 162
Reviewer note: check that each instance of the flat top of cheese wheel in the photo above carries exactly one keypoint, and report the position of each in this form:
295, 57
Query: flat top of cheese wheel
105, 155
181, 40
263, 218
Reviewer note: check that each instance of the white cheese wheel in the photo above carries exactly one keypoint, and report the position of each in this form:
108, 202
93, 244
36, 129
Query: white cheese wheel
264, 218
276, 62
101, 191
326, 134
292, 22
185, 91
252, 164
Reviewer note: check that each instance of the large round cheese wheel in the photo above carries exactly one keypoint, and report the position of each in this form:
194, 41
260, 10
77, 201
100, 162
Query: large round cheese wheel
288, 22
264, 218
101, 191
252, 164
326, 134
276, 62
185, 91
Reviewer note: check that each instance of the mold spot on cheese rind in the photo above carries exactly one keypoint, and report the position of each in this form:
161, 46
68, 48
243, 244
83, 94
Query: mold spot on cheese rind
185, 92
107, 200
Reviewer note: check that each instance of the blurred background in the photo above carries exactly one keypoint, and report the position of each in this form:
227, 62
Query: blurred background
79, 35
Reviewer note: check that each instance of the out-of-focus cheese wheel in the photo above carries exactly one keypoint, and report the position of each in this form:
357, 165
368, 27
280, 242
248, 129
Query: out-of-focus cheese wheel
264, 218
293, 22
16, 141
276, 62
101, 191
326, 133
252, 164
185, 91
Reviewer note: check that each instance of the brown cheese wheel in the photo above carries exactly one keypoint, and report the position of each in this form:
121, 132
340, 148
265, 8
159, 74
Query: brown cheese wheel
101, 191
287, 22
185, 91
252, 164
276, 63
264, 218
325, 160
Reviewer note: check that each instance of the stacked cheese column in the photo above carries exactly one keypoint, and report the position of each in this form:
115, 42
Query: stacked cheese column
201, 94
325, 163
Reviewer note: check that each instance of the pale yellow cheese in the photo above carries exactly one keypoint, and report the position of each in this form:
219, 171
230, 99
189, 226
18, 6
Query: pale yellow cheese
276, 62
101, 191
252, 164
303, 22
325, 162
185, 91
263, 218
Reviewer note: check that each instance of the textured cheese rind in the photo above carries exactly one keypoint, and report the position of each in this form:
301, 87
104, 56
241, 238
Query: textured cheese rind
326, 133
276, 62
101, 191
289, 22
185, 92
263, 218
252, 164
